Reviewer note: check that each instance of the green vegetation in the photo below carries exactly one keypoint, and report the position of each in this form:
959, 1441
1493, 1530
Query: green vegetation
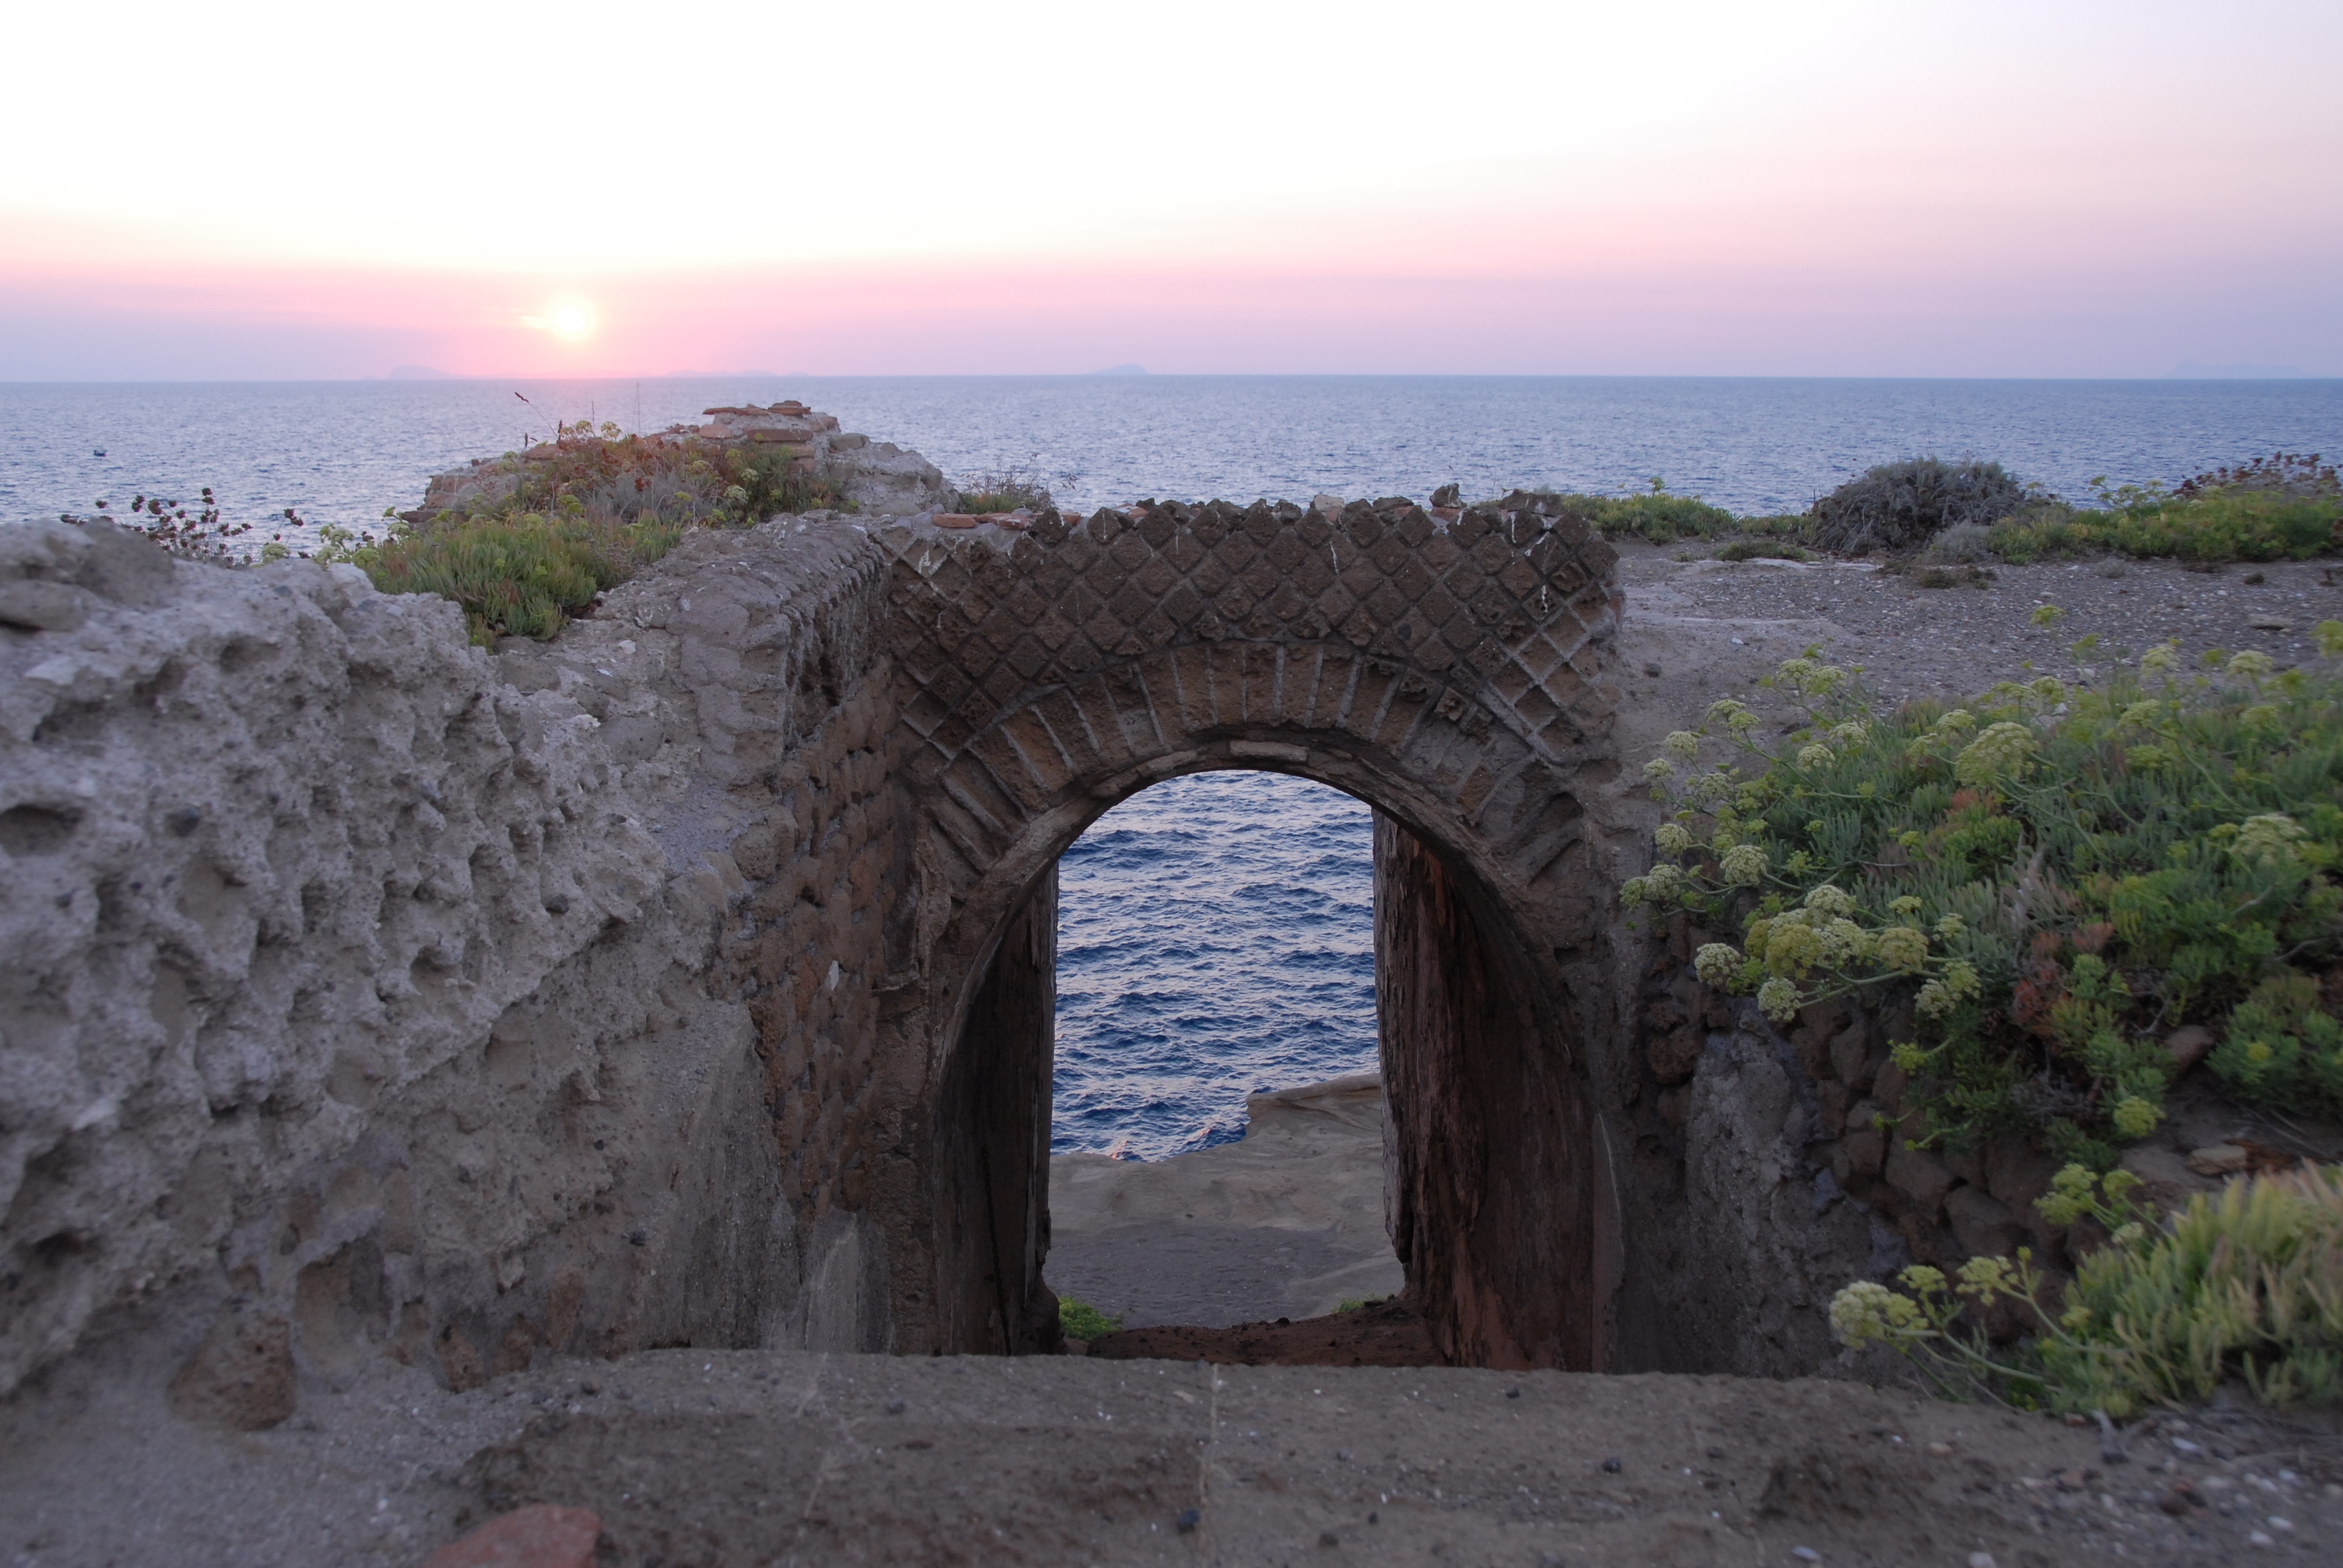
1081, 1321
1005, 491
681, 480
1656, 514
576, 521
2243, 525
2285, 507
1898, 506
2248, 1284
1352, 1304
518, 576
2053, 877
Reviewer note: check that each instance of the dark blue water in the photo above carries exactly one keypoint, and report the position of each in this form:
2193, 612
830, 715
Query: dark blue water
1214, 934
343, 451
1213, 938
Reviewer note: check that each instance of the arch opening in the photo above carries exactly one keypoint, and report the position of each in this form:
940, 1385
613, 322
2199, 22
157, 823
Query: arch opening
1490, 1149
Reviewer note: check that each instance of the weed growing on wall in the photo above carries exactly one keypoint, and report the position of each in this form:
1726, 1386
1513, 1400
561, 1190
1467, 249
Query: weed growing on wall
2248, 1284
2056, 877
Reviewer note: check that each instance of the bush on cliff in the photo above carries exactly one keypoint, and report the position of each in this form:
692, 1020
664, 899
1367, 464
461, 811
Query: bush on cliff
578, 518
1895, 507
682, 481
519, 576
1001, 490
2055, 877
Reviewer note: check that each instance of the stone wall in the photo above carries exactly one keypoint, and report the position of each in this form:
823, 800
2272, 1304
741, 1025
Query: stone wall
1499, 1190
1773, 1166
371, 995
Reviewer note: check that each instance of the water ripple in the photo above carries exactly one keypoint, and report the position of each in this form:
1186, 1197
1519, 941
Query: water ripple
1216, 937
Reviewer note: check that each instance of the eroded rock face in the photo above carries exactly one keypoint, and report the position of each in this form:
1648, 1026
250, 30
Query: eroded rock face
438, 1005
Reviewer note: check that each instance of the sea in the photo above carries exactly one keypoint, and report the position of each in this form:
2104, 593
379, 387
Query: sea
1214, 931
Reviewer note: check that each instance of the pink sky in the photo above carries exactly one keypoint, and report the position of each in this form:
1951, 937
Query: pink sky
1801, 189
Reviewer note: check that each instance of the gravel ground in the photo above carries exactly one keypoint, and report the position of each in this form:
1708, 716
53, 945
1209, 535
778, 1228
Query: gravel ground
718, 1458
1914, 640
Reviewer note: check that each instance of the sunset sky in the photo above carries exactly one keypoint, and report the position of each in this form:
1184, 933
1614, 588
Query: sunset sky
254, 191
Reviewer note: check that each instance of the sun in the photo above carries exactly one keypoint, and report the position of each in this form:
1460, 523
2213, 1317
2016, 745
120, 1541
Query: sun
571, 317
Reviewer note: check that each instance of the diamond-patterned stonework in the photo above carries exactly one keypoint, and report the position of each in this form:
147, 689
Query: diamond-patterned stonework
1452, 673
1396, 585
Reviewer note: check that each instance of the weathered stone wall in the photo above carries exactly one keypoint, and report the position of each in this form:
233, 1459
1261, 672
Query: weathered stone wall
1771, 1167
370, 995
1498, 1194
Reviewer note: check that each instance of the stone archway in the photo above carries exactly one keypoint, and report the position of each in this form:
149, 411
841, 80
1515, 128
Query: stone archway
1448, 672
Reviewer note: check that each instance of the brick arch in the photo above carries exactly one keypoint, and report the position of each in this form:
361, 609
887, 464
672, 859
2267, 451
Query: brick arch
1449, 671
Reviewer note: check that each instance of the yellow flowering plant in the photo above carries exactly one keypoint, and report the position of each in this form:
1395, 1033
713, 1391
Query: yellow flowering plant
2054, 874
2245, 1284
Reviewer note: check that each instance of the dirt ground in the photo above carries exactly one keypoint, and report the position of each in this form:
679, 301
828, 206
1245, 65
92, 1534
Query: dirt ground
704, 1458
1954, 641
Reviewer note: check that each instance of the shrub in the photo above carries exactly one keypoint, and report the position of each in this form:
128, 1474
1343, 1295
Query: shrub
202, 537
1081, 1321
2214, 525
1006, 490
576, 521
2283, 1050
1656, 514
518, 576
1963, 544
2248, 1284
2294, 476
1897, 506
1760, 550
2054, 875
